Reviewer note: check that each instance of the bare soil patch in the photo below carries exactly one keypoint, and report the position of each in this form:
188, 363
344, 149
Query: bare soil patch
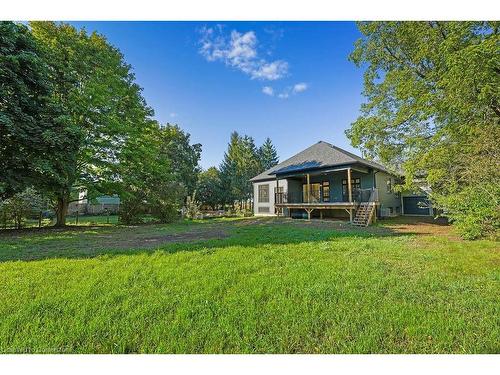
124, 240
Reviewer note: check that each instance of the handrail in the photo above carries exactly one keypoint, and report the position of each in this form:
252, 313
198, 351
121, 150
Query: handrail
359, 195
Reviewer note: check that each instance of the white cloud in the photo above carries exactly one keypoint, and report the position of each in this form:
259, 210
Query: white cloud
268, 90
240, 51
173, 114
271, 71
299, 87
293, 90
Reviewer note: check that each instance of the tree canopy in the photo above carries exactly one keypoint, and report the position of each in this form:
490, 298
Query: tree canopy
96, 91
36, 138
268, 155
432, 109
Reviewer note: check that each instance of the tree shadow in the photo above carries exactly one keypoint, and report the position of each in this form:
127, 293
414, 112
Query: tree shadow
205, 236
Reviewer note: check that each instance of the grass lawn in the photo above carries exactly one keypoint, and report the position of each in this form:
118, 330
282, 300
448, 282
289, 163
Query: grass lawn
249, 286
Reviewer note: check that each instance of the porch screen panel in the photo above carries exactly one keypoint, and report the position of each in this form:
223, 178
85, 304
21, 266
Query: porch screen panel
263, 193
315, 192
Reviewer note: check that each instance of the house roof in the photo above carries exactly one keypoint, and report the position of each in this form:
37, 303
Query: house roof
318, 156
106, 199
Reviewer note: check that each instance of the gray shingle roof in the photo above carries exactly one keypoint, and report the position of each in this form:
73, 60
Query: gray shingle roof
319, 155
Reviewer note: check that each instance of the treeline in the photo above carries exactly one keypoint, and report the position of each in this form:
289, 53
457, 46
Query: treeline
73, 119
230, 183
433, 109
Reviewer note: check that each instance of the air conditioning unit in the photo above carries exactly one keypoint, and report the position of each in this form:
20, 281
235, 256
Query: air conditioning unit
387, 212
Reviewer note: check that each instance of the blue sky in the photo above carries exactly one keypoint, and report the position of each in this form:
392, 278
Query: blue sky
290, 81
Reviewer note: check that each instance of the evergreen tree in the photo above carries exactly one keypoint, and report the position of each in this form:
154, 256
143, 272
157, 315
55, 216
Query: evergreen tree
267, 155
241, 163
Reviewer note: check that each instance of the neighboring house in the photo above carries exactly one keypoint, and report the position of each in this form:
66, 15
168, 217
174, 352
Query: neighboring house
99, 205
327, 181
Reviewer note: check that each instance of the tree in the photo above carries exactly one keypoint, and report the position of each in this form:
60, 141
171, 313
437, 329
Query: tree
36, 140
184, 157
20, 206
433, 109
154, 170
95, 89
240, 164
209, 188
267, 155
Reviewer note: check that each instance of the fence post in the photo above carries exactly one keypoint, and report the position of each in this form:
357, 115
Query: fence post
40, 220
77, 217
107, 213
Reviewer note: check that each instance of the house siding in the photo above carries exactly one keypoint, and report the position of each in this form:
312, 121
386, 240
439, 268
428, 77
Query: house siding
388, 200
266, 208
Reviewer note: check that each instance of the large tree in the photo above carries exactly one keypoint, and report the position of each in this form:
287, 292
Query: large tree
96, 91
183, 155
241, 162
209, 189
268, 155
36, 139
433, 109
146, 181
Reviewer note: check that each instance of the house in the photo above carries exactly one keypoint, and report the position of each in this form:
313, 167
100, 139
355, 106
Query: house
99, 205
326, 181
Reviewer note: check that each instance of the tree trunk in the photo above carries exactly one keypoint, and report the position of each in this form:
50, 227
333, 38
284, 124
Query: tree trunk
62, 210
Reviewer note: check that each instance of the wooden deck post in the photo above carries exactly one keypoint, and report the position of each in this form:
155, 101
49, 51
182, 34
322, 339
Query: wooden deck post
276, 197
349, 188
349, 184
308, 189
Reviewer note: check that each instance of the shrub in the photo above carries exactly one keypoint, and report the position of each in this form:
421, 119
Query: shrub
192, 209
475, 211
21, 206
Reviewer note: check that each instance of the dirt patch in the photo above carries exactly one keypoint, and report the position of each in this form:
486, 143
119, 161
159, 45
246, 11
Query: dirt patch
392, 226
124, 241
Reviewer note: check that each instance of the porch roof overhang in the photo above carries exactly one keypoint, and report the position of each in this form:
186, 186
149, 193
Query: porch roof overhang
320, 171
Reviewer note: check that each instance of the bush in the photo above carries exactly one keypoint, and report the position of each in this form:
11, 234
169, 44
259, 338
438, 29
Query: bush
192, 209
131, 211
20, 207
165, 213
475, 211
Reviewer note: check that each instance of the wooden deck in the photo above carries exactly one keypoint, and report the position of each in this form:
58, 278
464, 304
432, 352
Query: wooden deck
319, 205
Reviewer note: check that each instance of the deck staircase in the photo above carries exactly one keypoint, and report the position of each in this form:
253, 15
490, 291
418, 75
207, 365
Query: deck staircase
366, 211
364, 214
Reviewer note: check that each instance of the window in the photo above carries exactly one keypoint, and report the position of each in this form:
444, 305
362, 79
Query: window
263, 209
355, 184
389, 185
264, 193
326, 191
315, 192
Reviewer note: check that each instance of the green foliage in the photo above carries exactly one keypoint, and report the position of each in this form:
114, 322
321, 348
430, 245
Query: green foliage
433, 109
267, 286
21, 206
209, 188
192, 208
36, 139
268, 156
474, 211
156, 170
183, 156
95, 89
242, 161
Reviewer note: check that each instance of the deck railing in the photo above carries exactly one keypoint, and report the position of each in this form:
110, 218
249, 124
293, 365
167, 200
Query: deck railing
358, 196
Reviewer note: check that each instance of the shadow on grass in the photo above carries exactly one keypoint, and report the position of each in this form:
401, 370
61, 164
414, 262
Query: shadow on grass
88, 242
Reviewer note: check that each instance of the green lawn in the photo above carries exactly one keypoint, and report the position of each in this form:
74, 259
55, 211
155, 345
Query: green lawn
249, 286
